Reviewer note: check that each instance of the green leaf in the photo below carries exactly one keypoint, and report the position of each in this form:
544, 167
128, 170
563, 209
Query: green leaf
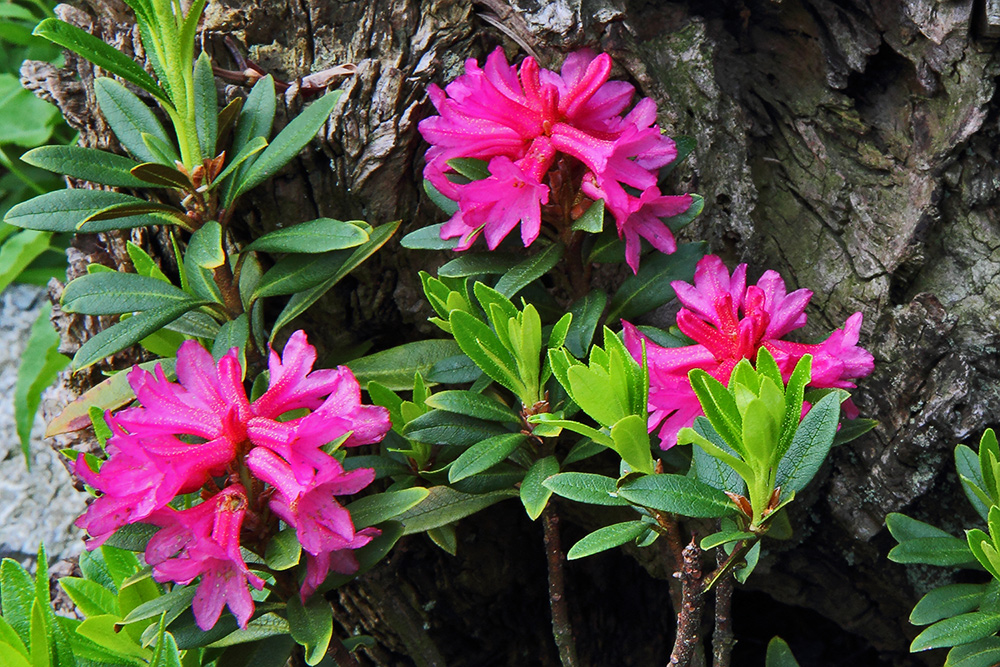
86, 164
586, 315
529, 270
677, 494
447, 205
90, 597
253, 147
379, 507
724, 537
471, 168
473, 405
394, 368
40, 365
779, 654
445, 505
206, 105
19, 251
685, 145
957, 630
676, 222
40, 645
315, 236
584, 487
458, 369
606, 538
967, 467
483, 346
719, 407
905, 528
160, 175
711, 470
292, 139
947, 601
205, 249
534, 494
234, 333
255, 122
101, 630
70, 210
476, 264
299, 302
945, 551
130, 118
115, 293
810, 445
261, 628
982, 653
650, 287
592, 221
299, 273
172, 603
632, 443
283, 550
96, 51
267, 652
17, 593
484, 455
11, 657
127, 333
429, 238
446, 428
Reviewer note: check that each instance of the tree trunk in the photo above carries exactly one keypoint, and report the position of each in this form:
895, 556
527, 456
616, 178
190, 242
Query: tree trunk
847, 144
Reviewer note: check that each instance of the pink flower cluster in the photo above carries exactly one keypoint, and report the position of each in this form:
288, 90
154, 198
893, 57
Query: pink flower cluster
522, 121
731, 321
189, 435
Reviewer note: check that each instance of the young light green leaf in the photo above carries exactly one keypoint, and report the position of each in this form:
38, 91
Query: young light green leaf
719, 407
89, 596
129, 332
87, 164
445, 505
957, 630
677, 494
379, 507
632, 443
287, 144
473, 405
650, 287
115, 293
40, 365
584, 487
17, 593
130, 118
99, 53
481, 345
315, 236
394, 368
534, 494
484, 455
529, 270
606, 538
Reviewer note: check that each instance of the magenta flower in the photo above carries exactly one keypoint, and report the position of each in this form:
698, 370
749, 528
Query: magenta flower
522, 122
202, 432
205, 541
730, 321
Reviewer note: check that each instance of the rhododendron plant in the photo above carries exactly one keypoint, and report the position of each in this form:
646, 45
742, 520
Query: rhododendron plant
263, 464
527, 122
730, 321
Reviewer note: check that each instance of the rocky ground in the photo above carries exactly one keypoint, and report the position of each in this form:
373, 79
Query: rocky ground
36, 505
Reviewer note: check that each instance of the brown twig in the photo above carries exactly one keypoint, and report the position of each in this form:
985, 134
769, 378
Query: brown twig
722, 636
562, 630
689, 616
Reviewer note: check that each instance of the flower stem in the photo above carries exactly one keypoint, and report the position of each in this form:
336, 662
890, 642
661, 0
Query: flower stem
562, 630
722, 636
692, 601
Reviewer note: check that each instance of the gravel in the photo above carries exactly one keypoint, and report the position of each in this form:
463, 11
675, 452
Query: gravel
37, 505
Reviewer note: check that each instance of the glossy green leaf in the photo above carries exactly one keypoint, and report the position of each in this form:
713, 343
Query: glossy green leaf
957, 630
529, 270
650, 287
68, 211
87, 164
315, 236
172, 603
115, 293
473, 169
445, 428
592, 221
586, 313
283, 551
585, 487
947, 601
982, 653
606, 538
445, 505
810, 445
905, 528
287, 144
127, 333
101, 630
394, 368
476, 264
379, 507
534, 494
429, 238
677, 494
99, 53
484, 455
473, 405
299, 302
967, 467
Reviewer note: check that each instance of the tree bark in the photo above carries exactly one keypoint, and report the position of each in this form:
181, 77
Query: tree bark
847, 144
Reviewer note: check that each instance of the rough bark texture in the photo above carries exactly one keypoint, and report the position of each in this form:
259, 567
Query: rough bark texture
848, 144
